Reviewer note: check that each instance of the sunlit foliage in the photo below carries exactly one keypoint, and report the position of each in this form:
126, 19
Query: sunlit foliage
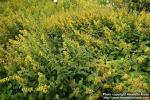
76, 49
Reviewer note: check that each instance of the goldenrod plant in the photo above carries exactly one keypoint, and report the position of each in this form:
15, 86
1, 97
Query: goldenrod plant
75, 50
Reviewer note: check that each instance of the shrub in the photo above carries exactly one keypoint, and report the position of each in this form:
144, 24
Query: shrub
75, 55
138, 5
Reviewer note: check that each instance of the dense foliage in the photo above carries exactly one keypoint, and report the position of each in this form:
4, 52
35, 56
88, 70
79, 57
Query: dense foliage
138, 5
76, 50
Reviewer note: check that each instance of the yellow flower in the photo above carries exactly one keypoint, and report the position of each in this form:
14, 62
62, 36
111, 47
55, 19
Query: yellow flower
147, 50
89, 91
18, 78
5, 79
141, 59
140, 77
119, 87
34, 66
106, 85
109, 73
77, 33
66, 55
41, 76
43, 89
26, 90
28, 58
76, 91
97, 80
125, 76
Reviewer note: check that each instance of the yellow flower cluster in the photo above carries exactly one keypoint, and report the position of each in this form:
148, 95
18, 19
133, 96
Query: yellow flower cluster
141, 59
41, 79
28, 58
147, 50
66, 55
119, 87
107, 85
27, 90
124, 46
126, 76
43, 89
24, 32
6, 79
108, 33
76, 91
89, 91
87, 38
34, 66
19, 79
14, 42
41, 76
77, 46
77, 33
137, 84
97, 80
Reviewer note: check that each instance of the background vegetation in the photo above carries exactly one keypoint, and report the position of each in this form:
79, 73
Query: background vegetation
76, 49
